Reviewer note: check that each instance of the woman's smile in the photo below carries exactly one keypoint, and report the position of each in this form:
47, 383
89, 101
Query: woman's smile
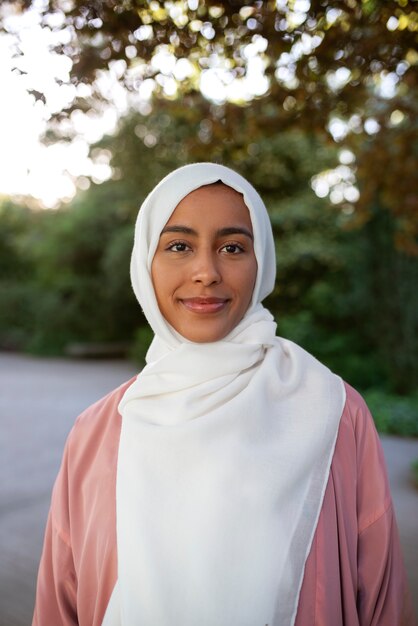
204, 268
204, 305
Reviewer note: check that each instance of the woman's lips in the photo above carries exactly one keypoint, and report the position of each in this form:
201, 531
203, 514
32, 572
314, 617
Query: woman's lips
204, 305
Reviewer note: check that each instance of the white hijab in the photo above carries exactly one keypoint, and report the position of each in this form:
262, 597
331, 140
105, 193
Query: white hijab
224, 453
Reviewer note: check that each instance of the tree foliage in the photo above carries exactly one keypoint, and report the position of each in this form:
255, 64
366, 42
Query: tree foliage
338, 74
345, 295
325, 62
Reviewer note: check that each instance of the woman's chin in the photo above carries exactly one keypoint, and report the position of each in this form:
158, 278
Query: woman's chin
203, 332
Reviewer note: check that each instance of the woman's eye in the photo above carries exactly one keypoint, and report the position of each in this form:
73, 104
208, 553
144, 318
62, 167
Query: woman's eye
178, 246
233, 248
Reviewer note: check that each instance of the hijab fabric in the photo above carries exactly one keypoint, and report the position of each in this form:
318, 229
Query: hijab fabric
224, 452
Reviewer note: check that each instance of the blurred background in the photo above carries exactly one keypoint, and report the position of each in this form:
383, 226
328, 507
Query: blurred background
315, 102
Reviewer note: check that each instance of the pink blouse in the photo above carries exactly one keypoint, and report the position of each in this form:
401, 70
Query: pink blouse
354, 575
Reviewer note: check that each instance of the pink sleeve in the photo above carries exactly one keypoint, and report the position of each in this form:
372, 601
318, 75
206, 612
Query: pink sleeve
354, 574
57, 585
78, 568
383, 598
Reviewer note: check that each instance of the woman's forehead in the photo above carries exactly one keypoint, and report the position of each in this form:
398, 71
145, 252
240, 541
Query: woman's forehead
214, 189
212, 203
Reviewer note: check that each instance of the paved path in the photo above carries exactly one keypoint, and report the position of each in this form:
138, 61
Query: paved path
39, 400
400, 454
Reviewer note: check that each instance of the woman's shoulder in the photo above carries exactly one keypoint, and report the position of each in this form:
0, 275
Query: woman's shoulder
356, 417
99, 420
358, 461
356, 431
105, 405
355, 405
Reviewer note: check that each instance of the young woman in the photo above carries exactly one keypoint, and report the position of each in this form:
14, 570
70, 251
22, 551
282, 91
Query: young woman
236, 481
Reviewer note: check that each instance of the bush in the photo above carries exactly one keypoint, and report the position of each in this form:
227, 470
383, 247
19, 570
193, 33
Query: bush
18, 306
393, 415
341, 350
142, 340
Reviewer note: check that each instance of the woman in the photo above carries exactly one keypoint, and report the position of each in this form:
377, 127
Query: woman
236, 481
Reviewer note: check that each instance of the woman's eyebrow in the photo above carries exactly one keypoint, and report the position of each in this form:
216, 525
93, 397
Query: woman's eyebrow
222, 232
186, 230
234, 230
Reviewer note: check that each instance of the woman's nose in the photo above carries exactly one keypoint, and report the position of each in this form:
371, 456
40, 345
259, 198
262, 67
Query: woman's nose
206, 270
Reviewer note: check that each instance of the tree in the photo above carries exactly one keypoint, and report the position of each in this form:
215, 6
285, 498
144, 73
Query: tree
343, 68
17, 267
320, 76
313, 302
345, 294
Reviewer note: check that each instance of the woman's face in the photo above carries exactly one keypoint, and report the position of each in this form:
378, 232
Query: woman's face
204, 268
